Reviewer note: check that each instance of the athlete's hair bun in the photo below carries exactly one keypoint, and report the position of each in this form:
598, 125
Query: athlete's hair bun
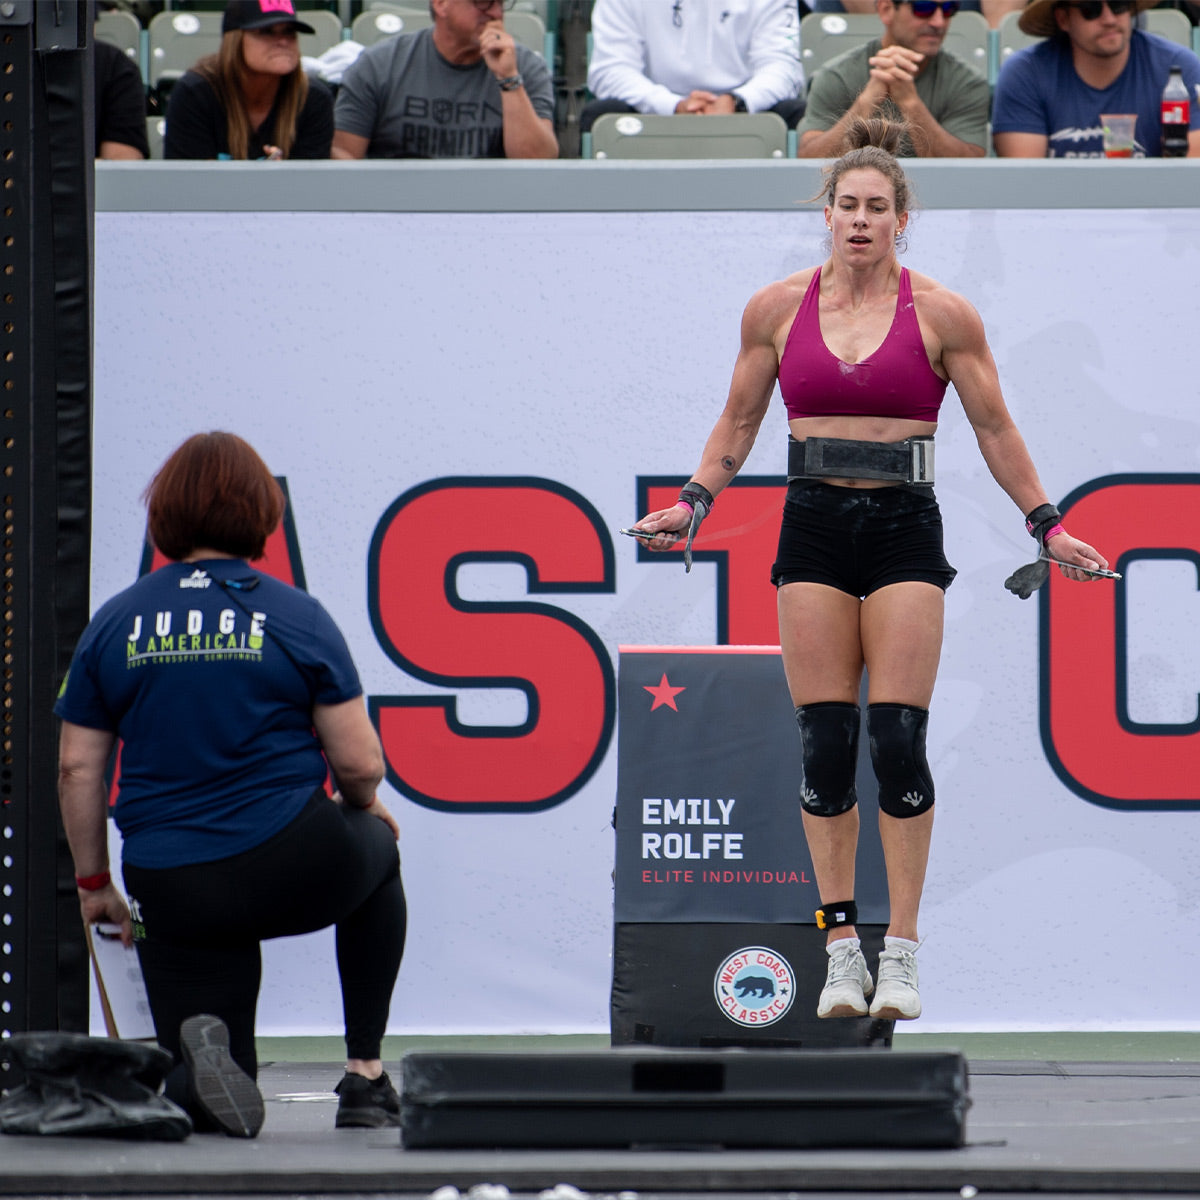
880, 132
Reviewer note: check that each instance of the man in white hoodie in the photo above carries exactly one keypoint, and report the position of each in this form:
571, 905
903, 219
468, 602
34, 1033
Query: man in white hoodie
695, 56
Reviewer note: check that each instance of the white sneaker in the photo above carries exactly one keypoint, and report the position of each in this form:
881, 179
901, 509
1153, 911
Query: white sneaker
847, 983
897, 998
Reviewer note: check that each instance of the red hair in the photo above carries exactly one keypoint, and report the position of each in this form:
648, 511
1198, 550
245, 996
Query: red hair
215, 493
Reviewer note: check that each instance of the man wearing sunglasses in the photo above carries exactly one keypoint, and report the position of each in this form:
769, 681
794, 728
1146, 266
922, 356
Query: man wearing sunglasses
1093, 60
992, 11
460, 89
904, 75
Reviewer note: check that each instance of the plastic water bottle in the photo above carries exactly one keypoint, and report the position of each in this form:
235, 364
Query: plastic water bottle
1176, 110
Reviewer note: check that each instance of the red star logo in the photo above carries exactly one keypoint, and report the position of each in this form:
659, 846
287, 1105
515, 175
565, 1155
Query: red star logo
664, 693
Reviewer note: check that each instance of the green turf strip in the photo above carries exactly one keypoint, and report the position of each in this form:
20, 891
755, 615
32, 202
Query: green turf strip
1039, 1047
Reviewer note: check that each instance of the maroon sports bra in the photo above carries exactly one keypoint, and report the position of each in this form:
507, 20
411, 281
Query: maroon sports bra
895, 381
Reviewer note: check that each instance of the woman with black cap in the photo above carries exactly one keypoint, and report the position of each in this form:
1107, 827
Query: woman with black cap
252, 99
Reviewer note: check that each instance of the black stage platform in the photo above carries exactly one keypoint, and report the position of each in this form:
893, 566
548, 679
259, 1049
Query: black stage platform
1034, 1127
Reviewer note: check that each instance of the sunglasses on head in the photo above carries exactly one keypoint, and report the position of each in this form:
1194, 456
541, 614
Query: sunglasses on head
926, 8
1090, 10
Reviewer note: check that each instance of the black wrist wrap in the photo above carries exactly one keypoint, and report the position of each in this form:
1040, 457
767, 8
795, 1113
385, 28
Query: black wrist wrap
1041, 521
699, 499
692, 492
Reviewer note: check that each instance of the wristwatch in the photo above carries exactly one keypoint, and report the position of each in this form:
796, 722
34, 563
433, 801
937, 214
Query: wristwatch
739, 104
510, 83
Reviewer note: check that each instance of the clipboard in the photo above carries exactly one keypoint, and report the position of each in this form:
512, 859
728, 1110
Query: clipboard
123, 1000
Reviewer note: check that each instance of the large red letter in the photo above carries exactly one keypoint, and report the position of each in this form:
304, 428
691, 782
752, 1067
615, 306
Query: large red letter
1093, 745
433, 634
741, 537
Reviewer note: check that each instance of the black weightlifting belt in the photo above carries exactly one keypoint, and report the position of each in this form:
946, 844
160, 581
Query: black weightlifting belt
910, 461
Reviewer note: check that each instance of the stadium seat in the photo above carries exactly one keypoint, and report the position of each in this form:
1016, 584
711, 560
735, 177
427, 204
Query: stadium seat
378, 23
969, 38
177, 40
527, 26
329, 31
825, 35
1169, 23
123, 30
156, 129
1010, 39
543, 8
642, 135
529, 30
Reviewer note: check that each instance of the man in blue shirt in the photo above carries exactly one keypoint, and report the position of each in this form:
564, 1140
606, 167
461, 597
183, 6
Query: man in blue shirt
1049, 97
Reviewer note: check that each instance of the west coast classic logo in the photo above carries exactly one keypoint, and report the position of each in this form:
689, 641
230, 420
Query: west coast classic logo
755, 986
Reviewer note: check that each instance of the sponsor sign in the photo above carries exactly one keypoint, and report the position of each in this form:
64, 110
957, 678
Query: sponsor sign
463, 434
708, 776
754, 986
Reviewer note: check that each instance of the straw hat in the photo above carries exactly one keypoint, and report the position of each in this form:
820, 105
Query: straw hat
1038, 18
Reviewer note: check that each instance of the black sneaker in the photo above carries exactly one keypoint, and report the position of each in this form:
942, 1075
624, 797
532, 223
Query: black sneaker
222, 1090
366, 1103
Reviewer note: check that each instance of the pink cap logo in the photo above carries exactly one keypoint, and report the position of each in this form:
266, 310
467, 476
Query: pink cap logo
283, 6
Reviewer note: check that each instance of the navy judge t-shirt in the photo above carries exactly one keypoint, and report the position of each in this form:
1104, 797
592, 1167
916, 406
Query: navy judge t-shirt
213, 701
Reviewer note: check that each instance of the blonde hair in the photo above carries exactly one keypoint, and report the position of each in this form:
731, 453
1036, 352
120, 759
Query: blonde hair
874, 143
226, 73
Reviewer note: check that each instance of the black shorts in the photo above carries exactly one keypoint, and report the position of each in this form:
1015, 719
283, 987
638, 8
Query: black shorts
861, 539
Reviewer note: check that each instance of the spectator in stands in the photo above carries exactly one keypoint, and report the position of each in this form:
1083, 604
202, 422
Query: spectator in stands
903, 74
1049, 96
462, 88
696, 57
120, 105
994, 11
252, 99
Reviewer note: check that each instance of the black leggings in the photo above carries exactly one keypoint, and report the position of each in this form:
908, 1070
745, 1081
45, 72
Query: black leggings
333, 865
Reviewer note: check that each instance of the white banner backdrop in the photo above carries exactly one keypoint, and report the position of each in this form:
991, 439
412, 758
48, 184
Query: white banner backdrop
367, 354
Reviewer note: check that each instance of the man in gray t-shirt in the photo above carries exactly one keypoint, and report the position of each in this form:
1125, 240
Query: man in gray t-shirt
461, 89
905, 74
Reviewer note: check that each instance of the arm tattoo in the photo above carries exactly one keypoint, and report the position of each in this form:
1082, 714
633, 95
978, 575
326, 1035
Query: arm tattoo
729, 463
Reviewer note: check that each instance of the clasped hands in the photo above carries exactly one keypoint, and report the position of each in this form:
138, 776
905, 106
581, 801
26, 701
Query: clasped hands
707, 104
893, 74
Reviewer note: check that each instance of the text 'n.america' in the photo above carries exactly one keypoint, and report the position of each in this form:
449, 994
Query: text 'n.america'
179, 637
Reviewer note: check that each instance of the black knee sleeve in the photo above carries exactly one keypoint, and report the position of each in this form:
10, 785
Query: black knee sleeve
897, 734
829, 753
